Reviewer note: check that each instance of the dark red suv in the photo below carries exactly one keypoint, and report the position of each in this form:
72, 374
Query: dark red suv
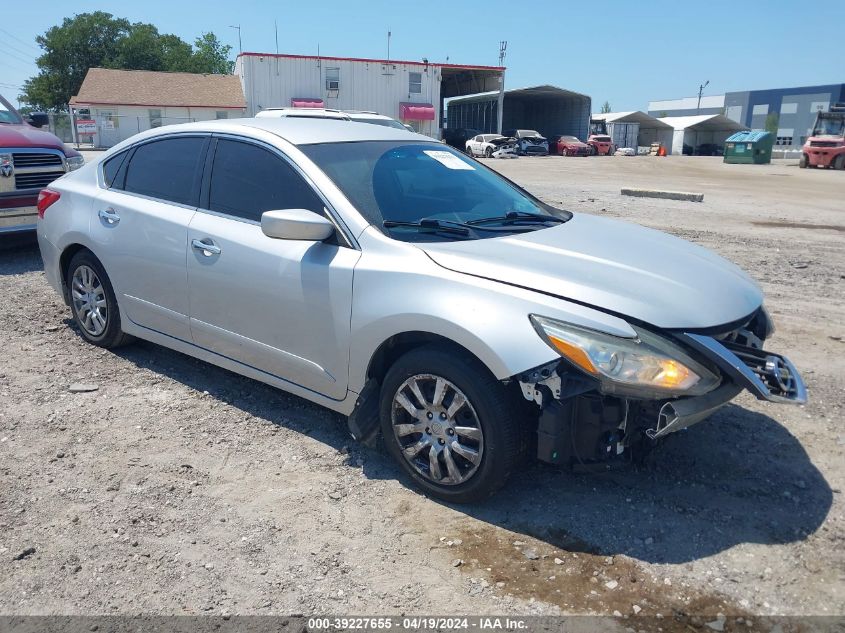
30, 159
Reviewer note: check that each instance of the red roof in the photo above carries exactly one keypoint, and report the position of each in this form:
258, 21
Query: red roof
377, 61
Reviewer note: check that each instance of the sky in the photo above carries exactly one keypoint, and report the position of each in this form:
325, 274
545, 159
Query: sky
625, 53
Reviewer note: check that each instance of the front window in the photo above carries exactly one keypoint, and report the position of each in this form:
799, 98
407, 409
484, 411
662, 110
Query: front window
602, 139
155, 118
332, 79
400, 182
569, 139
8, 114
830, 126
524, 133
415, 83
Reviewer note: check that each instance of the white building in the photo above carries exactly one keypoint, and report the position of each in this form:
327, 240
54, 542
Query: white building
410, 91
697, 130
112, 105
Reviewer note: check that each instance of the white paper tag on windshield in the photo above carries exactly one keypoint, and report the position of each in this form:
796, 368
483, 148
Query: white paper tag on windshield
448, 159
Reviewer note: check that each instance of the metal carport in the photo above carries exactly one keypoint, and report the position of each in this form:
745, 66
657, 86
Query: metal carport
636, 129
548, 109
697, 129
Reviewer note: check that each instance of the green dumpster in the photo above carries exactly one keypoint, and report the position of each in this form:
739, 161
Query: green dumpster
753, 147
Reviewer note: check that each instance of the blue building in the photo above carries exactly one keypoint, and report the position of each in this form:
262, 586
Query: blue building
791, 111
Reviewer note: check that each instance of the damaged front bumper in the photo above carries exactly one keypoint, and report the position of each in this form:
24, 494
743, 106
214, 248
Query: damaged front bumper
579, 424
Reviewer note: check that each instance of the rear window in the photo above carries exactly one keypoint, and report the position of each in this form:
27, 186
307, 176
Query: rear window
111, 168
168, 169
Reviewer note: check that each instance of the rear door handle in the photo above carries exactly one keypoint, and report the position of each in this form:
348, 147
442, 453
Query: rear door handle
109, 216
206, 246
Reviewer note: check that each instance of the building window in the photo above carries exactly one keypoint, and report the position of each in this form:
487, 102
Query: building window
332, 78
783, 140
414, 83
155, 118
788, 108
818, 106
761, 108
221, 114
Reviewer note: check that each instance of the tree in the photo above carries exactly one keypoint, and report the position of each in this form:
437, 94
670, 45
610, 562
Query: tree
606, 107
87, 40
100, 40
212, 56
772, 122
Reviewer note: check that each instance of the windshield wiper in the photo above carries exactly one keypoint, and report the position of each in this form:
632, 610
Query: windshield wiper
523, 217
430, 224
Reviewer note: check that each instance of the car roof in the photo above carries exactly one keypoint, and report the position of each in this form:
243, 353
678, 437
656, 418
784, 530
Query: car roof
297, 131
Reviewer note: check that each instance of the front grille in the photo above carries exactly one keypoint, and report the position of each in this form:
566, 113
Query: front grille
32, 159
824, 144
35, 181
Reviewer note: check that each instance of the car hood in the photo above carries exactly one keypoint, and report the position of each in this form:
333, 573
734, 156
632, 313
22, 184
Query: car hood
27, 136
579, 144
615, 266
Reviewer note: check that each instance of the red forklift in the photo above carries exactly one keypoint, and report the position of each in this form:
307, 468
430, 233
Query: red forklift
826, 146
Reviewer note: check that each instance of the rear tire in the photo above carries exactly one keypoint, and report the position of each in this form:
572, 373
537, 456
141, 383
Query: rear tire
493, 428
468, 151
93, 302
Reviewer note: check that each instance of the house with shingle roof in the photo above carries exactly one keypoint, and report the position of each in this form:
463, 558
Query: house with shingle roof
112, 105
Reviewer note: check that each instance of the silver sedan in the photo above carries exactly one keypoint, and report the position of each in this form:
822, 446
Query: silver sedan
401, 283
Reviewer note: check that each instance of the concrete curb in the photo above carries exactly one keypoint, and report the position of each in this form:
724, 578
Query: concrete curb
667, 195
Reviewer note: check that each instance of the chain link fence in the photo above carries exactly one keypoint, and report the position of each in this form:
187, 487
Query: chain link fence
101, 131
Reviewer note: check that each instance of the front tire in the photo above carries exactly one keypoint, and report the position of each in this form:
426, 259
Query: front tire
839, 162
93, 302
488, 152
451, 426
803, 162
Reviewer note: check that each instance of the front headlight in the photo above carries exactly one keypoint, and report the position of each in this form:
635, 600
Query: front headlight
75, 162
647, 363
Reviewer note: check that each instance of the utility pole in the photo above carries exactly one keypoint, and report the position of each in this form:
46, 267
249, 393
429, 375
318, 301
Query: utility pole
238, 27
276, 27
388, 43
700, 92
503, 47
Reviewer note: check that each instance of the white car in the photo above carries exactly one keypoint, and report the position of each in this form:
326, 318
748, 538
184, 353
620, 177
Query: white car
302, 113
375, 118
488, 145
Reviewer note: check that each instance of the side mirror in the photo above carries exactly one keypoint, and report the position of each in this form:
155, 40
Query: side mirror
38, 119
296, 224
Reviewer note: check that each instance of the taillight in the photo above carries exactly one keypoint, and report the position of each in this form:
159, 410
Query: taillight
46, 197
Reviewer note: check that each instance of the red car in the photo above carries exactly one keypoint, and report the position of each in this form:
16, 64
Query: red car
568, 146
601, 143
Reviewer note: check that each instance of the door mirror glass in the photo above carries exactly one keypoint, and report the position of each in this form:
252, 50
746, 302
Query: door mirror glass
296, 224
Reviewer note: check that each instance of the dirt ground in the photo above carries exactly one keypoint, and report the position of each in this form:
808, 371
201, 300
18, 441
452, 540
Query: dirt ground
180, 488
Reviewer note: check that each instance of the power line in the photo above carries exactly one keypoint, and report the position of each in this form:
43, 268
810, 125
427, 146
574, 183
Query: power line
18, 50
14, 37
20, 58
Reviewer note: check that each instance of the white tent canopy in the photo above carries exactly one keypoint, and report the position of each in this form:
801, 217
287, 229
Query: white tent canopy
700, 128
635, 129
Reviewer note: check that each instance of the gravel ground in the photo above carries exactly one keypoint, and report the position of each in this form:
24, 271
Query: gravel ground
179, 488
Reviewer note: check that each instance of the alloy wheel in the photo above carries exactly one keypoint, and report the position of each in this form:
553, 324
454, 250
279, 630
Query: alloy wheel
437, 429
89, 300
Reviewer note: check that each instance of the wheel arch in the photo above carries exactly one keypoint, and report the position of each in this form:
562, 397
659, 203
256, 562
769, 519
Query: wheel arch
64, 262
395, 346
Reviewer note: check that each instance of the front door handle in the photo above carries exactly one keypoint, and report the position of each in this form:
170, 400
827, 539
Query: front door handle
109, 216
206, 246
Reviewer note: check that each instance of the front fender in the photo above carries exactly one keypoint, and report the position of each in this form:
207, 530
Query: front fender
399, 289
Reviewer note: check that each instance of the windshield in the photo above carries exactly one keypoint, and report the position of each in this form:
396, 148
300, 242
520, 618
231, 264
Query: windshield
830, 126
384, 122
602, 139
528, 133
401, 182
569, 139
8, 113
